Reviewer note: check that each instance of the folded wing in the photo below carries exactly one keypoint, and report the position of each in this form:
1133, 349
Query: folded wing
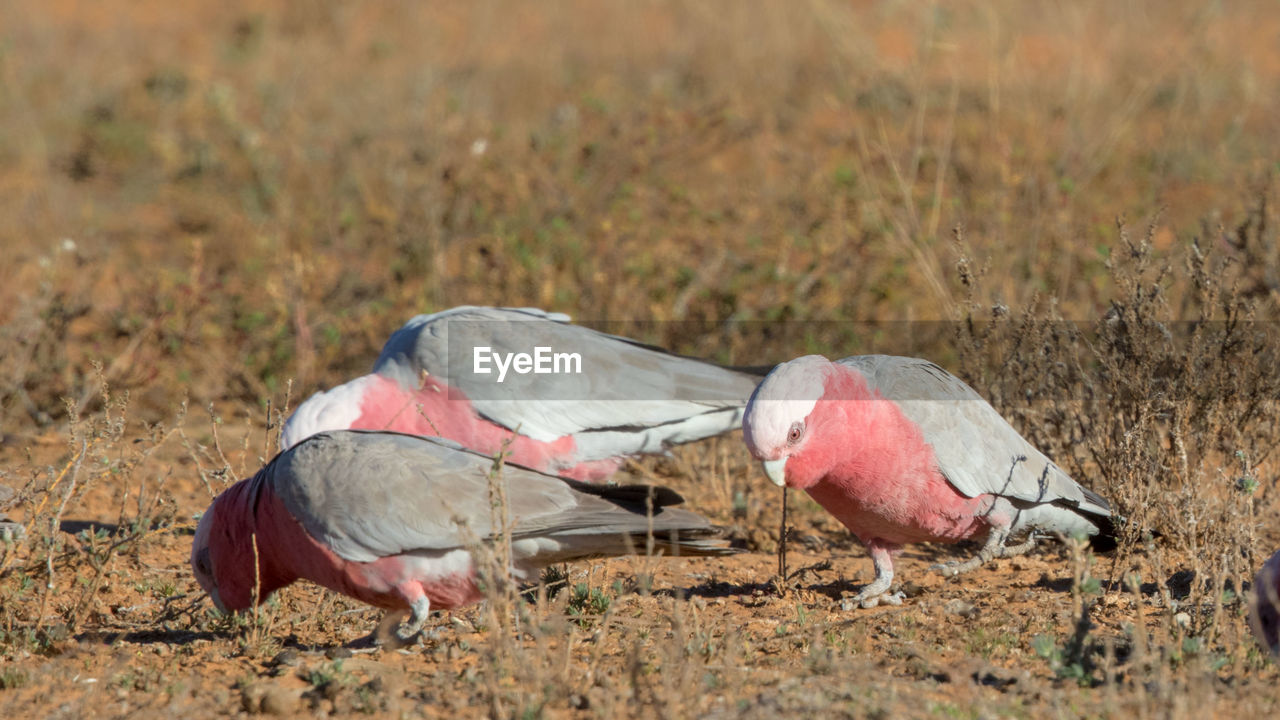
626, 397
977, 449
372, 494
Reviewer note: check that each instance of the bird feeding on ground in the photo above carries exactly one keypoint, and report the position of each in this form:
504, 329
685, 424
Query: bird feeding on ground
560, 398
901, 451
394, 520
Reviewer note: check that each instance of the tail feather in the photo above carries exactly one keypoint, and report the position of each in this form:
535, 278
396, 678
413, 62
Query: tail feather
1105, 540
617, 520
702, 542
678, 541
634, 497
1109, 527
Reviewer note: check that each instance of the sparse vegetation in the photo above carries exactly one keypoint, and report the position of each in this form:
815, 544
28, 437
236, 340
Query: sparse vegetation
226, 208
588, 602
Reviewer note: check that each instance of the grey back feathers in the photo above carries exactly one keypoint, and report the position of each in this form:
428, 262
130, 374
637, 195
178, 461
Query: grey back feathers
368, 494
977, 450
627, 398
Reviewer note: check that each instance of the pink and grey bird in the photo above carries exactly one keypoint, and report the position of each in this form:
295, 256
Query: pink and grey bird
575, 408
1264, 607
901, 451
392, 520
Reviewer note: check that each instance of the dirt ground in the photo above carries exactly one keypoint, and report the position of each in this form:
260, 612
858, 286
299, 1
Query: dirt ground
708, 637
213, 210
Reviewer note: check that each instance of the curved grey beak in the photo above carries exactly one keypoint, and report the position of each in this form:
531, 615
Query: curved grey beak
217, 601
777, 471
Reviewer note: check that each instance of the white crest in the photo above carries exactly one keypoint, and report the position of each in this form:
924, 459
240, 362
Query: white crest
786, 396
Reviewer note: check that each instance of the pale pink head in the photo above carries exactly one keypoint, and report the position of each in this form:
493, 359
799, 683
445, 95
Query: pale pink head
1265, 605
786, 426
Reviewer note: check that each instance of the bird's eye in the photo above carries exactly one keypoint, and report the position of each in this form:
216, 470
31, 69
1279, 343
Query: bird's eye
793, 435
202, 562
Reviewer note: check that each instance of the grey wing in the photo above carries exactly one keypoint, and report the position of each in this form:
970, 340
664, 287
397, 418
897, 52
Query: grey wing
976, 448
422, 343
372, 494
616, 395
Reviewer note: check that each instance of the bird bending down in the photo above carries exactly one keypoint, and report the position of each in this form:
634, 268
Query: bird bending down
438, 376
392, 520
901, 451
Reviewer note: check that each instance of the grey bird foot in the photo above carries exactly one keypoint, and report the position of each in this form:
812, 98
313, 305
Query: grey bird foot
874, 593
11, 531
990, 551
869, 601
392, 636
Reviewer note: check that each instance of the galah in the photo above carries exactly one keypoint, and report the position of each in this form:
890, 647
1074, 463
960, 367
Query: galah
901, 451
1264, 607
624, 399
393, 520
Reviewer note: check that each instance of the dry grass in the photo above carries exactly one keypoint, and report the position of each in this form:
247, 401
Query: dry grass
211, 212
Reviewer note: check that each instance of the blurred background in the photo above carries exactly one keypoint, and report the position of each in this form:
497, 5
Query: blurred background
213, 198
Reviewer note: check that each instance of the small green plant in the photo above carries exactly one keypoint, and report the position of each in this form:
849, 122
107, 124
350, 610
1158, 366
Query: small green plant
328, 674
586, 603
1062, 661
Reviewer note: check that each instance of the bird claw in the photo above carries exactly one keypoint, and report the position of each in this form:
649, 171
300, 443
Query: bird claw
389, 634
392, 635
407, 637
894, 599
869, 601
992, 549
11, 532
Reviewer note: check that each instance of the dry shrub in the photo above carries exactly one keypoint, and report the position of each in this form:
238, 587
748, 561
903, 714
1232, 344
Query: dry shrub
51, 580
1164, 402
